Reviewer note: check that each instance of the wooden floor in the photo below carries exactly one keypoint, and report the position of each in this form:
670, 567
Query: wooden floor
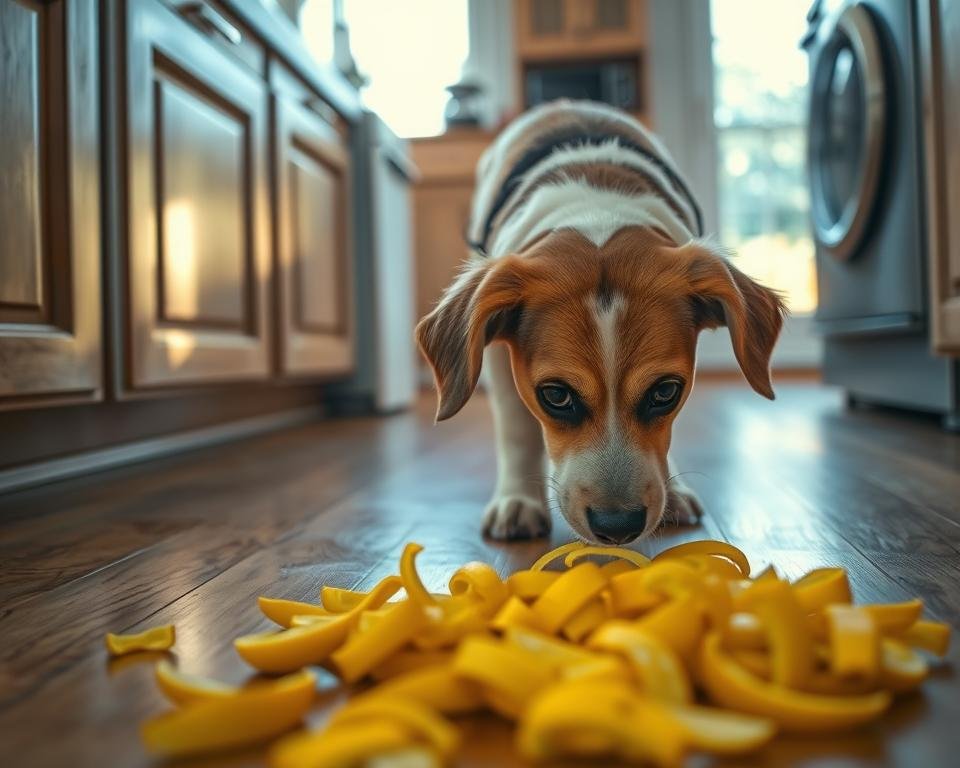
193, 540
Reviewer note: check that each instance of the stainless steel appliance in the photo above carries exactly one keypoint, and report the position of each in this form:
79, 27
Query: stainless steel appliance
865, 163
386, 370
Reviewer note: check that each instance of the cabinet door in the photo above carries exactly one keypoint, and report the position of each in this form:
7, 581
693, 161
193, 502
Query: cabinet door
313, 248
197, 256
441, 215
939, 27
49, 204
614, 23
548, 29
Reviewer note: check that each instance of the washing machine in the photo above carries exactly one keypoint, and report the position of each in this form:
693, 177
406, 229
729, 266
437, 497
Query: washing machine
865, 166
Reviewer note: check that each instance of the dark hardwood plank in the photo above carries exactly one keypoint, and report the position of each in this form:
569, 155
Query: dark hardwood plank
799, 483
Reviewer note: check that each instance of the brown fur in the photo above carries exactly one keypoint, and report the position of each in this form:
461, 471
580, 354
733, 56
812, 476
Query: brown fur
539, 303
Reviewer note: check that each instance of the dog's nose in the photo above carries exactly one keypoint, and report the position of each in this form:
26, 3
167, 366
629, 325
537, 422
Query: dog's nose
616, 526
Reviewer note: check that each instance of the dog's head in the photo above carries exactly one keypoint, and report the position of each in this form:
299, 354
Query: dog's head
602, 344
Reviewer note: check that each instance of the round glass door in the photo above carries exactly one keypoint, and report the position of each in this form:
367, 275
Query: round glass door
847, 114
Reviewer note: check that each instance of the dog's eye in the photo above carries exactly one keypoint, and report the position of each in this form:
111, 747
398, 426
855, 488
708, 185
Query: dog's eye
661, 398
666, 392
559, 401
557, 397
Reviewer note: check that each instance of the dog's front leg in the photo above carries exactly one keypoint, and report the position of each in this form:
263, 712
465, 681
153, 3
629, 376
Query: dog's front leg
518, 509
683, 504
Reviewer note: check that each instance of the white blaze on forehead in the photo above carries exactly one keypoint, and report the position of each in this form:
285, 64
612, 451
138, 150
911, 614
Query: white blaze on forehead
606, 311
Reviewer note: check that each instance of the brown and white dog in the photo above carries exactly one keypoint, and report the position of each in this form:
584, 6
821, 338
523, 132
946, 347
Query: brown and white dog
591, 271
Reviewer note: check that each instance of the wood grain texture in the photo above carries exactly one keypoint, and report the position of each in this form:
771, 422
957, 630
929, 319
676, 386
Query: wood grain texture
799, 482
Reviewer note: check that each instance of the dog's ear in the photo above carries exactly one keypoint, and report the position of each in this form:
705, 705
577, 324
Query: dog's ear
480, 306
722, 295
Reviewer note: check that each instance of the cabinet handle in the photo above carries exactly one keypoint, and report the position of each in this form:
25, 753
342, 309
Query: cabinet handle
206, 17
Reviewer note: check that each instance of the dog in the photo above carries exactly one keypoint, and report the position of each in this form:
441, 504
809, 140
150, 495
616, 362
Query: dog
589, 283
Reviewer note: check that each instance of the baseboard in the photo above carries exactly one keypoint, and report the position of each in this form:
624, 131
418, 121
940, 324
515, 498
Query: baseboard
52, 470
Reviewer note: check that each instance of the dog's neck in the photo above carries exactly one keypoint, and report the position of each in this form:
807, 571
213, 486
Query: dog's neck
596, 213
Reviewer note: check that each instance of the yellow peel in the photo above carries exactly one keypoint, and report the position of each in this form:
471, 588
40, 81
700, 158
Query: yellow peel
416, 592
723, 733
621, 553
514, 673
367, 649
891, 618
181, 688
931, 636
822, 587
347, 746
529, 585
248, 717
854, 642
439, 688
733, 687
555, 554
718, 548
421, 723
595, 661
282, 611
292, 649
568, 594
153, 639
657, 668
483, 583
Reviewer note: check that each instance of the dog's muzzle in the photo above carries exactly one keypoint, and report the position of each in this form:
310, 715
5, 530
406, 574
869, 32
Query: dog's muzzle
617, 526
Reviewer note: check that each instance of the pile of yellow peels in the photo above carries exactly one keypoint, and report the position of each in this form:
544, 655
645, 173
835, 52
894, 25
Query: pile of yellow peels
598, 661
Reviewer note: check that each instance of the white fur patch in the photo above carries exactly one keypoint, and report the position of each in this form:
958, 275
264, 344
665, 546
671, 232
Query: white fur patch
606, 316
609, 153
597, 214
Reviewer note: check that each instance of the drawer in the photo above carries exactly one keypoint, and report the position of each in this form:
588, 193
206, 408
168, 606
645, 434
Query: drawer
225, 31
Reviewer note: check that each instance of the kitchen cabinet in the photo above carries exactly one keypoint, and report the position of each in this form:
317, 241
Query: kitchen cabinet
175, 229
939, 29
441, 202
555, 29
50, 339
313, 243
197, 255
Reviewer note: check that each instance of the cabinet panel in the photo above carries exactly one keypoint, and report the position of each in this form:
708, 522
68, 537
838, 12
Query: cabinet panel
202, 258
198, 248
49, 204
577, 29
315, 193
21, 266
313, 255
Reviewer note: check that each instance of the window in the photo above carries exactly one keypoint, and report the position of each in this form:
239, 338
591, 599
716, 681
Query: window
410, 51
760, 113
316, 25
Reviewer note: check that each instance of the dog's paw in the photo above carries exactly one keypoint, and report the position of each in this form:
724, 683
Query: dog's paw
513, 516
683, 507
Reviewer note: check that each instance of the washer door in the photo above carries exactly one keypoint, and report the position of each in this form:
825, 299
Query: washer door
847, 116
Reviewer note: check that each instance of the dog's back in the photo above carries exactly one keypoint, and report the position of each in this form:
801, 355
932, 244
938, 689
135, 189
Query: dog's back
569, 140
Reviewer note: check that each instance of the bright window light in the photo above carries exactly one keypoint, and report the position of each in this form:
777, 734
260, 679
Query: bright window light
761, 114
411, 51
